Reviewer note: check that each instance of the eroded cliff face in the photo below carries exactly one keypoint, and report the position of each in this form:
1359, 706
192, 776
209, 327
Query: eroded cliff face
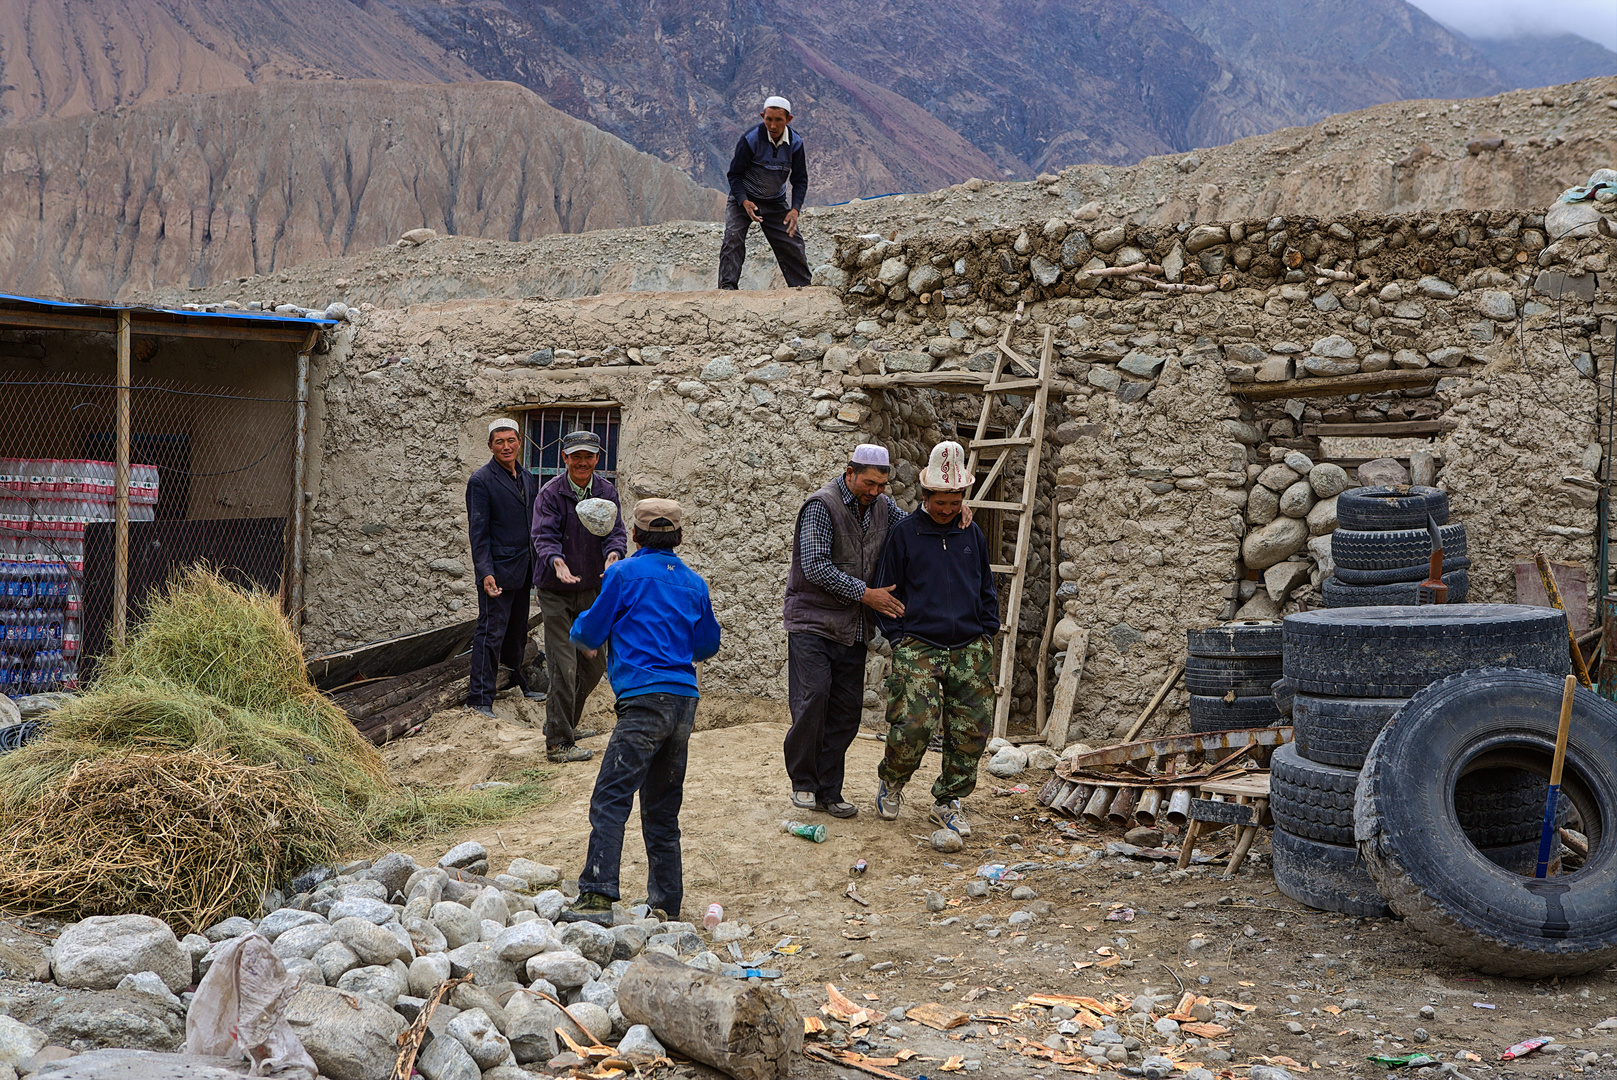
66, 59
202, 188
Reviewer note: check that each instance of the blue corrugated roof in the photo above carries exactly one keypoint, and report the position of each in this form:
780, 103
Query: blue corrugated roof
108, 306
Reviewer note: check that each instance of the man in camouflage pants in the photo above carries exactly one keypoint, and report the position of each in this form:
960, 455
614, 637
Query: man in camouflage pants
943, 653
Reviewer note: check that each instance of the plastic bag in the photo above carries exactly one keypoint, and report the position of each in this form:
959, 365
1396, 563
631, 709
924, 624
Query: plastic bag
240, 1010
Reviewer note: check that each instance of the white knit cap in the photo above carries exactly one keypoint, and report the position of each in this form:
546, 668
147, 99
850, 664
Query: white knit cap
777, 103
946, 470
503, 422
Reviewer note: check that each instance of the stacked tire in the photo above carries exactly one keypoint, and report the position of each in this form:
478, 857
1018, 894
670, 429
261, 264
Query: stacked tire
1354, 669
1382, 547
1229, 673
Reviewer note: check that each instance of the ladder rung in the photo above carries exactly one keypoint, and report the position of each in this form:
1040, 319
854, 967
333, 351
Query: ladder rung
984, 504
1001, 568
990, 444
1007, 385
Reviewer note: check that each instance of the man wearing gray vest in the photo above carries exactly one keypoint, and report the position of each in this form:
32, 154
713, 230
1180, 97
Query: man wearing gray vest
829, 603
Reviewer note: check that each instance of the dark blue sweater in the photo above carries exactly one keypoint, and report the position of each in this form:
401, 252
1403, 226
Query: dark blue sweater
761, 170
943, 581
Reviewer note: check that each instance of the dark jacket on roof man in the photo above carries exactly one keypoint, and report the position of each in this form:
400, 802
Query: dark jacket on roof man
768, 160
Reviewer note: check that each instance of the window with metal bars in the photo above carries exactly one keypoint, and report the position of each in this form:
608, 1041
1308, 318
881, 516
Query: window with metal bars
545, 428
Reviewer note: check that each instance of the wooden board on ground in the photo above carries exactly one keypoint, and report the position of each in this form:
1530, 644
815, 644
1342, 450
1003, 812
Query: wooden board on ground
1055, 731
390, 656
938, 1016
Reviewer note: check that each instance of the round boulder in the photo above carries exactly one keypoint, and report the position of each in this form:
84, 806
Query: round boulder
97, 953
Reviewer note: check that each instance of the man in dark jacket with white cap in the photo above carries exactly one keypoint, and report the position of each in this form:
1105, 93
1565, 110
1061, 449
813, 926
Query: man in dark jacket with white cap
768, 159
567, 577
499, 497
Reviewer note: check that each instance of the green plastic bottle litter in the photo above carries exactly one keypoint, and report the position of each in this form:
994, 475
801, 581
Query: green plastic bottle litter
815, 833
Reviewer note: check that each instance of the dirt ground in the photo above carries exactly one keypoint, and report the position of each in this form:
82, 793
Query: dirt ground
1353, 987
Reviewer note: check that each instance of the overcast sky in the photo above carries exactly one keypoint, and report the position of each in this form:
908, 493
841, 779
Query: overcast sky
1593, 19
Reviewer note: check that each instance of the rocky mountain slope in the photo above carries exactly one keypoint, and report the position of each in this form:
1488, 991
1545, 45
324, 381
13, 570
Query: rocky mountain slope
65, 59
1402, 158
195, 189
893, 95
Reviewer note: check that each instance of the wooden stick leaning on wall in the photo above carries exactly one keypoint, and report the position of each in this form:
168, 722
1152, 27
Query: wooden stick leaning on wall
1049, 620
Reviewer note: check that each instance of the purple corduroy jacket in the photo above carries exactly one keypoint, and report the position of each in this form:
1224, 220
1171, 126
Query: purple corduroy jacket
557, 532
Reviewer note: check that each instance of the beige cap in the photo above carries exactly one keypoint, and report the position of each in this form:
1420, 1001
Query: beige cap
647, 511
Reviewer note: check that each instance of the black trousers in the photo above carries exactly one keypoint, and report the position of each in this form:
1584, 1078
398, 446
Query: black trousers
789, 250
647, 753
826, 686
502, 635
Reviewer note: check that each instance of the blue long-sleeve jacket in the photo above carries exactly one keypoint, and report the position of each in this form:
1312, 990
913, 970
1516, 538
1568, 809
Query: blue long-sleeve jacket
659, 618
943, 581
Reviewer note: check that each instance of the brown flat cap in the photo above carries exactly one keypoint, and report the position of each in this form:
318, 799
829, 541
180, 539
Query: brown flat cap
647, 511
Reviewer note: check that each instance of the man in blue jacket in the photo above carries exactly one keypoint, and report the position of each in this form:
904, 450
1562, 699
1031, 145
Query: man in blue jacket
768, 158
943, 643
656, 612
499, 497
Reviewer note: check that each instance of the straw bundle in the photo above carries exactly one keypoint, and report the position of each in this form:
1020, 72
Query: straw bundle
218, 769
190, 838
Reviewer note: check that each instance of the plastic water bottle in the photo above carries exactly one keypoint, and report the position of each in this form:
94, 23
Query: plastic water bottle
815, 833
714, 916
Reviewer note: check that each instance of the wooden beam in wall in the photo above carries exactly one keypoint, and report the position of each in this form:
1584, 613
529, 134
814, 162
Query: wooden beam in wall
1342, 385
1381, 429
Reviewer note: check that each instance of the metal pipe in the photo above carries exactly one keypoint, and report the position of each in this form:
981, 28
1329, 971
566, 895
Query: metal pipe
1178, 807
299, 465
1145, 810
1122, 807
1047, 793
1095, 809
1073, 804
120, 499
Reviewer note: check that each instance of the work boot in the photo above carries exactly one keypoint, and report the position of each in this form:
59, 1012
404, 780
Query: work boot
486, 710
535, 695
589, 907
888, 799
837, 809
950, 816
560, 755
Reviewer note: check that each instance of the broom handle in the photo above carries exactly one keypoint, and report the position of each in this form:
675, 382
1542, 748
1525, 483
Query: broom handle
1546, 838
1553, 593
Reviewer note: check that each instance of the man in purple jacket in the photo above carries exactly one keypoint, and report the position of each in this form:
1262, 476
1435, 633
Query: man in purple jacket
567, 578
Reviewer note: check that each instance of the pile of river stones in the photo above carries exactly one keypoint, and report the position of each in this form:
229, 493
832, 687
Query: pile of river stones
370, 942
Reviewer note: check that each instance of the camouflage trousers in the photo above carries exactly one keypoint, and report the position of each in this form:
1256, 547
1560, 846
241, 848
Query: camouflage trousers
932, 687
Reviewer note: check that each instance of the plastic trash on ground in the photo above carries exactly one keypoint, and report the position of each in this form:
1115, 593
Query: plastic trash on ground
240, 1010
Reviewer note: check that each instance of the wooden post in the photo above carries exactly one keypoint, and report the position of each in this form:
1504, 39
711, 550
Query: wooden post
293, 592
1049, 619
120, 557
1060, 719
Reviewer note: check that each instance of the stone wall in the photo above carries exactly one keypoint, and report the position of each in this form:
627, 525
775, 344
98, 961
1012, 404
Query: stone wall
1167, 453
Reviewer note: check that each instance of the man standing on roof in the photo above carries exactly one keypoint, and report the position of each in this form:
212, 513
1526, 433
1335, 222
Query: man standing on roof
936, 565
567, 576
830, 609
768, 159
499, 497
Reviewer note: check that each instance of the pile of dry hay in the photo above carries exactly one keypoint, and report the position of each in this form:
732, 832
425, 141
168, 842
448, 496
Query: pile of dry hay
199, 769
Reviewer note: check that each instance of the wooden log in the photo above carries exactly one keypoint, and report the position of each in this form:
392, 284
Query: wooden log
750, 1032
1123, 271
368, 699
1342, 385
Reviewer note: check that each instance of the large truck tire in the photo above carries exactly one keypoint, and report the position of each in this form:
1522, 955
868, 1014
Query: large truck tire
1339, 593
1387, 548
1377, 508
1330, 877
1339, 730
1413, 573
1246, 677
1235, 640
1394, 652
1447, 890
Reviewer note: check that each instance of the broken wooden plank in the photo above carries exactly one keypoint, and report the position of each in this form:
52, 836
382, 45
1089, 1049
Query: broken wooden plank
1055, 731
1342, 385
962, 382
937, 1016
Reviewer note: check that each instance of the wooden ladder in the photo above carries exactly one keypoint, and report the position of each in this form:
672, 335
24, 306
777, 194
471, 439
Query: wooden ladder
1028, 436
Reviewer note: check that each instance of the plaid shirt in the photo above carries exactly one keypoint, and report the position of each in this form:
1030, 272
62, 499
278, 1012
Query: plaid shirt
816, 535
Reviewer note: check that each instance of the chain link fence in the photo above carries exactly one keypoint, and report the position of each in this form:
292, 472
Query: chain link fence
210, 480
